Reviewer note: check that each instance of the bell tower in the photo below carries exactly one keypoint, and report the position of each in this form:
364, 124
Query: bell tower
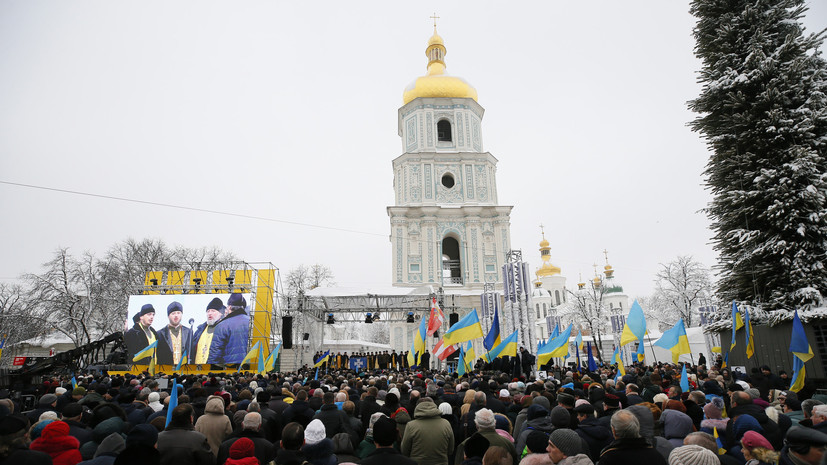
447, 227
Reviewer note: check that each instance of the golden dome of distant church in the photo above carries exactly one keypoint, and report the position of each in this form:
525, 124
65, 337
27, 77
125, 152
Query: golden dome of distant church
436, 83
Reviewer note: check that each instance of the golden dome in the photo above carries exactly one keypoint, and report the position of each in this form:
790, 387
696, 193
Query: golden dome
436, 83
548, 270
544, 242
545, 253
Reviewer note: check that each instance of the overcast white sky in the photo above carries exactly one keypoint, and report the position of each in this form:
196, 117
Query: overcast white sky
288, 110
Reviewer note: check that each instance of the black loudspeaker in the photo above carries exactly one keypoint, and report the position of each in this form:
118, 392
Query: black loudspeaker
454, 319
287, 332
306, 336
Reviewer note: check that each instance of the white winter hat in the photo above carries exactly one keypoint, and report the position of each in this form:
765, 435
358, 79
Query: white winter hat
315, 432
59, 391
154, 397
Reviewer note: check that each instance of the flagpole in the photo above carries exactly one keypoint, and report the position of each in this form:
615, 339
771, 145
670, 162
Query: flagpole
653, 350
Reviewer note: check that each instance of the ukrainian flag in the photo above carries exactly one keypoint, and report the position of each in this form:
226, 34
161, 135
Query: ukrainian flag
180, 362
470, 356
507, 347
802, 352
557, 347
684, 379
578, 341
721, 450
621, 370
270, 362
493, 338
321, 359
635, 327
419, 342
750, 340
641, 355
726, 361
461, 361
737, 323
674, 339
555, 333
464, 330
145, 352
412, 353
252, 353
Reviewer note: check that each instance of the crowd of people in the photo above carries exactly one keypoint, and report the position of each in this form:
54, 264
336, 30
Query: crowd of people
420, 417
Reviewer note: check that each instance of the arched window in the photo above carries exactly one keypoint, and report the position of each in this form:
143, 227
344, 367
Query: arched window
451, 266
557, 296
443, 131
545, 310
538, 311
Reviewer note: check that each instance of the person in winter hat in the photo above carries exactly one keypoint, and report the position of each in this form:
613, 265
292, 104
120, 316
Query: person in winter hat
318, 449
55, 441
692, 455
214, 424
757, 450
242, 452
565, 448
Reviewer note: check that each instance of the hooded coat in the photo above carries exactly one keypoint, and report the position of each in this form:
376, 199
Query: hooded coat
676, 426
647, 430
214, 424
429, 439
55, 441
542, 424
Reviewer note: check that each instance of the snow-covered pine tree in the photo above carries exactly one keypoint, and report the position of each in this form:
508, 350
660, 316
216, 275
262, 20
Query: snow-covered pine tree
763, 114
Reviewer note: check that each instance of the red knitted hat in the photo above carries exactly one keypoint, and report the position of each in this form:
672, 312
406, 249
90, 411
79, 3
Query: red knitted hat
243, 447
55, 429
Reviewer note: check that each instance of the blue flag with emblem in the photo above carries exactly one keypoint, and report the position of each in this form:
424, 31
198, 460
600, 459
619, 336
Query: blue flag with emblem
358, 363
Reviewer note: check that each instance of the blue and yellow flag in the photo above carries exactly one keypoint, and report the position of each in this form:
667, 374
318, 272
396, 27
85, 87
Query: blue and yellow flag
493, 338
74, 382
616, 358
470, 356
419, 342
725, 363
322, 359
464, 330
557, 347
684, 379
802, 352
461, 361
145, 352
635, 327
674, 339
507, 347
173, 401
750, 339
721, 450
270, 362
180, 362
641, 352
737, 323
578, 341
252, 353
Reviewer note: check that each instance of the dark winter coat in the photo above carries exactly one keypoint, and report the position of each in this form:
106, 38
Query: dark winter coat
22, 454
80, 431
299, 412
368, 408
265, 450
335, 421
231, 337
289, 457
631, 450
136, 340
165, 356
771, 430
184, 446
647, 430
596, 436
386, 456
542, 424
320, 453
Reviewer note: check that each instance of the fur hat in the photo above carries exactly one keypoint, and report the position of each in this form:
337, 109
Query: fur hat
315, 432
174, 307
147, 308
692, 455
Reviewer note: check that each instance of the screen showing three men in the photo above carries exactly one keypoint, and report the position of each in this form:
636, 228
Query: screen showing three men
188, 329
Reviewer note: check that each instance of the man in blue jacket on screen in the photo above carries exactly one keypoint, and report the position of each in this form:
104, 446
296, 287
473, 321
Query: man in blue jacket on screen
232, 333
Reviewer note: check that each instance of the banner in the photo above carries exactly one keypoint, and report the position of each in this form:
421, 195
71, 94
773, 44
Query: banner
189, 328
358, 363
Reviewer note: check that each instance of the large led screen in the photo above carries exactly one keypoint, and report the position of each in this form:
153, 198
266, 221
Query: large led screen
189, 328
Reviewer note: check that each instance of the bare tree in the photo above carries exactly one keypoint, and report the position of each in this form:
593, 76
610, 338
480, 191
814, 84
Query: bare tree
682, 285
304, 278
585, 308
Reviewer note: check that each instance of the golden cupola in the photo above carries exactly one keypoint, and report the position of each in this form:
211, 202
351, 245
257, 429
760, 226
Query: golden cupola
607, 270
545, 253
436, 83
